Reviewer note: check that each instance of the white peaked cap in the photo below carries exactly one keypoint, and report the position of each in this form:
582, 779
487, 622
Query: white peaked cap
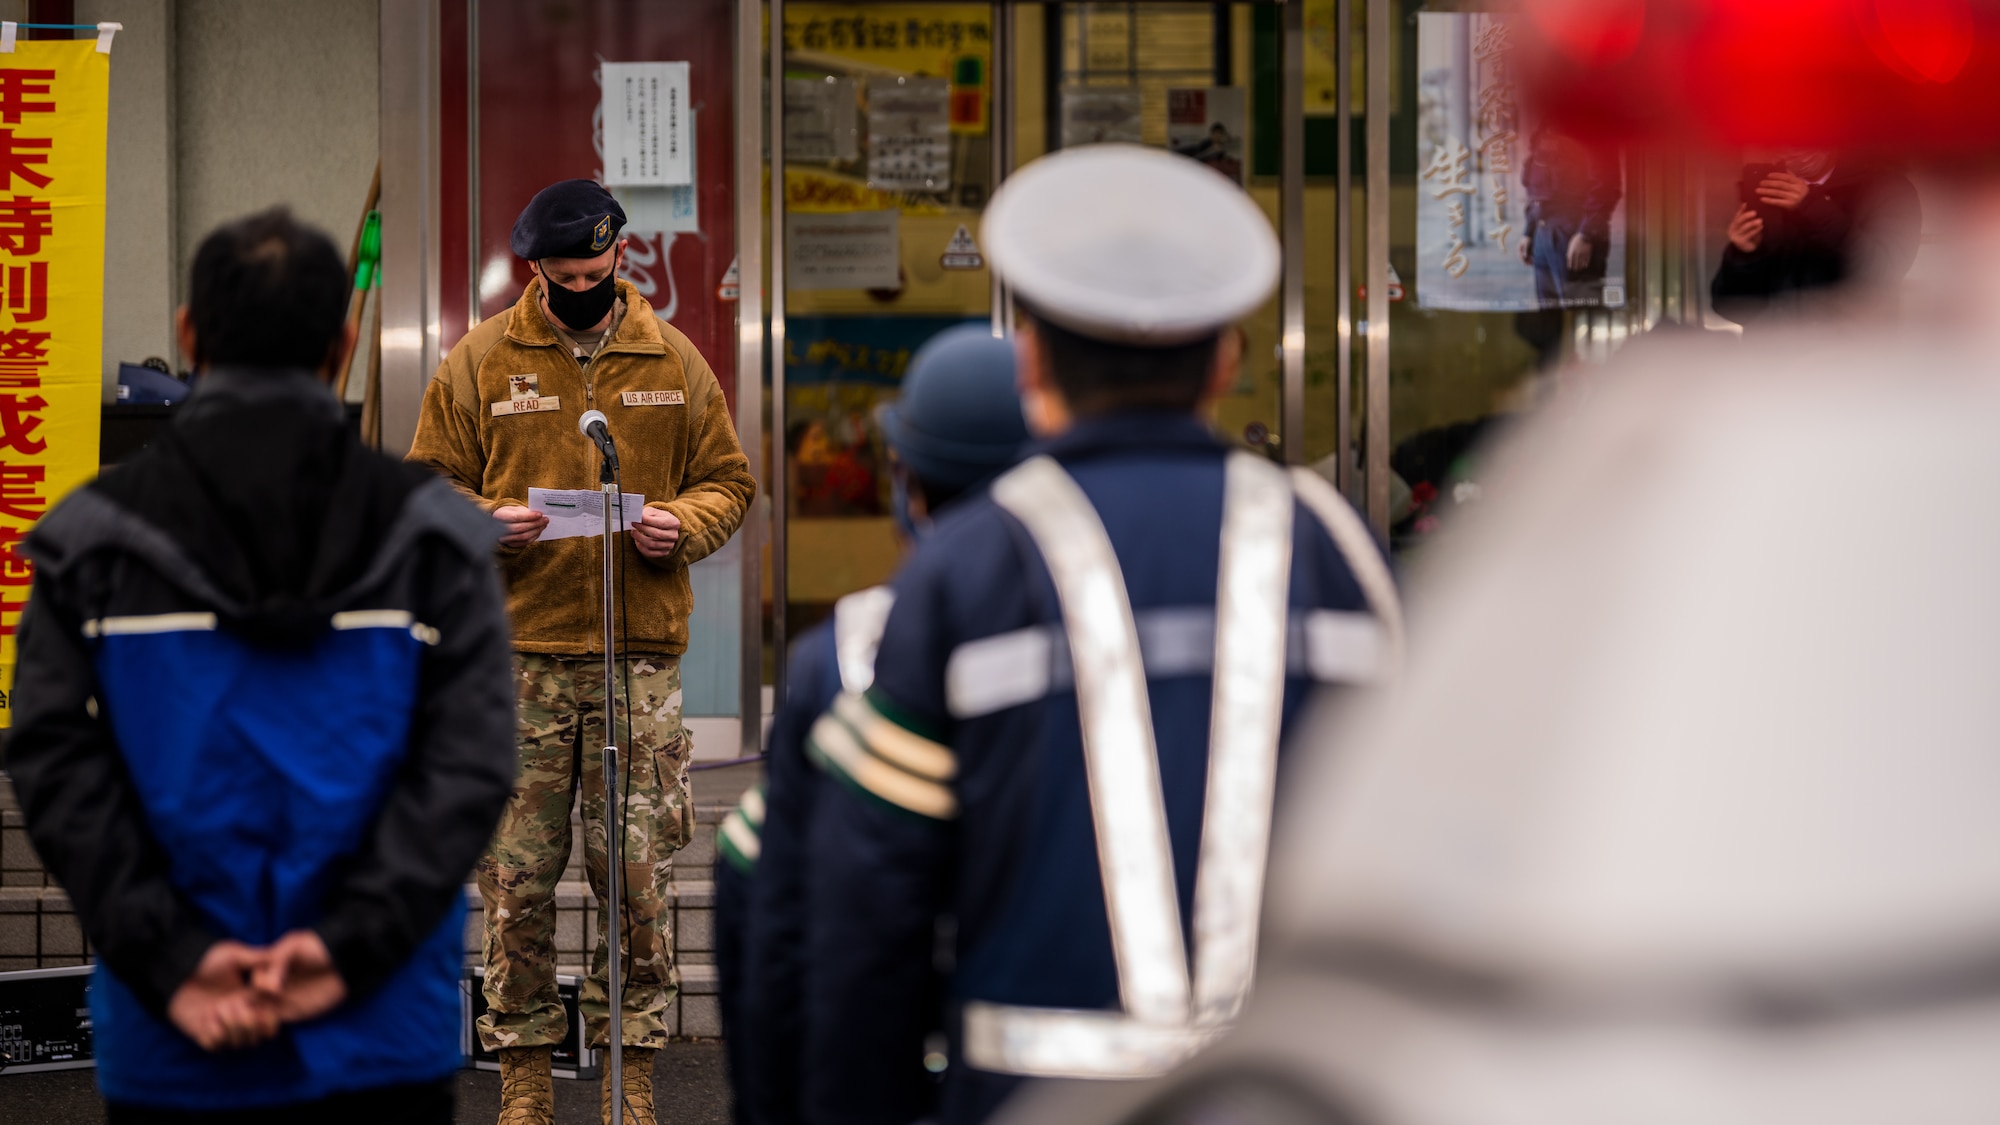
1132, 245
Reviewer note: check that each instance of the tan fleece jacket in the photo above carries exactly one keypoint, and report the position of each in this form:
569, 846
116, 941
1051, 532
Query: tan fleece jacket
501, 417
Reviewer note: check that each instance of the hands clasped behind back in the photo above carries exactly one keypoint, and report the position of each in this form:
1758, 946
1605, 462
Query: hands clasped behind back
240, 996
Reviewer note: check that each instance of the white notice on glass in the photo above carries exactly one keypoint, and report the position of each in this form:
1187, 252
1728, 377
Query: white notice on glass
909, 134
575, 512
820, 120
850, 250
646, 137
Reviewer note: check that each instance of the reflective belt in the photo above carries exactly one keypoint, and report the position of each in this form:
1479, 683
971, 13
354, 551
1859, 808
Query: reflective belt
1066, 1043
1162, 1022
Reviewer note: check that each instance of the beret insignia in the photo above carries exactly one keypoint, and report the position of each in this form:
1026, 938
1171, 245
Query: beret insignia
600, 235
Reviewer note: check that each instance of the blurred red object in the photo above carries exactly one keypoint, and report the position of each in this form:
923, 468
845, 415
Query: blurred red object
1904, 76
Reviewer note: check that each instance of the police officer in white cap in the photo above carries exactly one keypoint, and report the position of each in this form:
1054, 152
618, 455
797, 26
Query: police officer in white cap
1046, 852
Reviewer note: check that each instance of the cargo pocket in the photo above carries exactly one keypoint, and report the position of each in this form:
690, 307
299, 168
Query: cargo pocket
670, 763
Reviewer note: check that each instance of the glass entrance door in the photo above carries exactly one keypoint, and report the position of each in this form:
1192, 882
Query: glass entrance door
893, 124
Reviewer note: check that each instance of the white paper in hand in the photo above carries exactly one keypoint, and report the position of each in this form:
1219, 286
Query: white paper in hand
576, 512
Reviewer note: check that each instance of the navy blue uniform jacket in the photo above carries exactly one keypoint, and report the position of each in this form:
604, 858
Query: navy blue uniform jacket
999, 899
763, 1002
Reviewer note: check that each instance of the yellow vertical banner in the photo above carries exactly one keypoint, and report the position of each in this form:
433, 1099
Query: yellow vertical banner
54, 104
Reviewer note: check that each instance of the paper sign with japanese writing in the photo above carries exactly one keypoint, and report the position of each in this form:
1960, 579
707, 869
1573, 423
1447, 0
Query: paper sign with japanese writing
822, 117
53, 104
856, 250
1512, 215
909, 134
646, 136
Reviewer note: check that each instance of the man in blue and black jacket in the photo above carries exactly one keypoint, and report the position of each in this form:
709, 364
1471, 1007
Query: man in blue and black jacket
264, 724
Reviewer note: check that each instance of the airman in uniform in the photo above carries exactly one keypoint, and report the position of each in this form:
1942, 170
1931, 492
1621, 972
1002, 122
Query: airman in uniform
501, 418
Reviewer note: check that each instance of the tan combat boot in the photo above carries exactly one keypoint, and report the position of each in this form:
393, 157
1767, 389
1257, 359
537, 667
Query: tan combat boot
638, 1087
527, 1089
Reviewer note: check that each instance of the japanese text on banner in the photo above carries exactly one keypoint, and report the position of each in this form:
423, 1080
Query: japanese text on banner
54, 100
1512, 214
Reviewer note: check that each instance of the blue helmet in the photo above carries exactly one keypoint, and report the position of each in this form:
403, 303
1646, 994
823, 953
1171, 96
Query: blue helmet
958, 419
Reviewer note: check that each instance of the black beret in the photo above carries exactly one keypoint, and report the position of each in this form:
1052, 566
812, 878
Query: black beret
571, 219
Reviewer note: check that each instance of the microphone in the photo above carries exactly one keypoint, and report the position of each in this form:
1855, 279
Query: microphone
592, 425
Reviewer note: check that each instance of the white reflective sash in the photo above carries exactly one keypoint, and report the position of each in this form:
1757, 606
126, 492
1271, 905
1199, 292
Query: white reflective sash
1161, 1025
1067, 1043
1251, 617
858, 621
1364, 560
1127, 809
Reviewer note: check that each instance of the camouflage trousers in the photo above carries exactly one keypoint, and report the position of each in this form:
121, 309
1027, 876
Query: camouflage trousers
561, 747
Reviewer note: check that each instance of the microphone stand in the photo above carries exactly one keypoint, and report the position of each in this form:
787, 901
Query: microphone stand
614, 805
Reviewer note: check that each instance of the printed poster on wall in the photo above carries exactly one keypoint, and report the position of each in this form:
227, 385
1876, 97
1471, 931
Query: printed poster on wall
53, 101
1511, 214
1206, 124
646, 136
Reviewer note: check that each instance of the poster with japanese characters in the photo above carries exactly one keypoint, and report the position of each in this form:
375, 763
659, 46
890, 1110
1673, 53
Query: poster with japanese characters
53, 106
909, 134
646, 137
821, 120
1512, 215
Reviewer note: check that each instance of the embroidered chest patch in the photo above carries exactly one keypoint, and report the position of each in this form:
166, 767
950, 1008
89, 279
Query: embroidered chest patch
653, 398
527, 397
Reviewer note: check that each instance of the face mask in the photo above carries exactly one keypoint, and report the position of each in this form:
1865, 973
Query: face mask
580, 311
